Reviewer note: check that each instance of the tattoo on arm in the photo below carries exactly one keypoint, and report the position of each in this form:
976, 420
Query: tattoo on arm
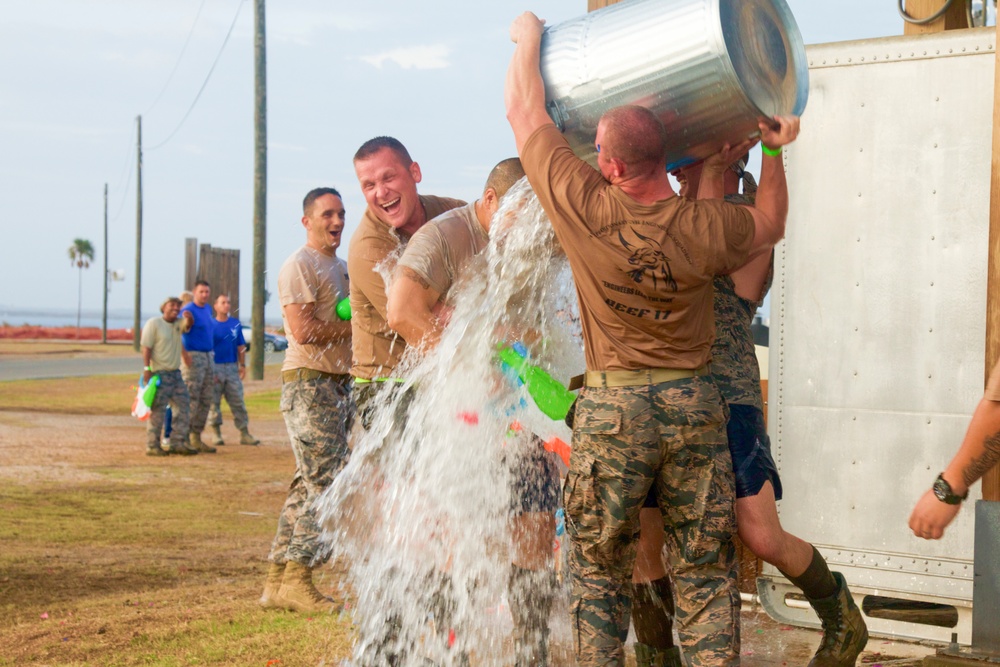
415, 277
979, 467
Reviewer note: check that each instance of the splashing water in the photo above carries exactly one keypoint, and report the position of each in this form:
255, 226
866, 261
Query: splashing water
421, 514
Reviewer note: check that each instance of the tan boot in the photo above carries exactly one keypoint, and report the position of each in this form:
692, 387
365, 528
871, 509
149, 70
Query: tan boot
271, 585
195, 442
298, 592
844, 631
217, 435
247, 439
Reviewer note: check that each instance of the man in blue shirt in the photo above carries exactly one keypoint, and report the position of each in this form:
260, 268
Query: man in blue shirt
198, 367
230, 369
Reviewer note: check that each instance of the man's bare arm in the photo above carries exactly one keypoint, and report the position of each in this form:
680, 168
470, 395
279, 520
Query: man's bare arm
411, 309
771, 208
309, 330
524, 91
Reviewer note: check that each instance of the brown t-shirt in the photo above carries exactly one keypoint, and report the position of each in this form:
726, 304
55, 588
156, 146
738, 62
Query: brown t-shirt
309, 276
441, 248
993, 386
375, 248
643, 273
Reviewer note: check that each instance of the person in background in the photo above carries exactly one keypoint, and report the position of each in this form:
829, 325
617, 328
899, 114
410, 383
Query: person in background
230, 370
197, 365
161, 356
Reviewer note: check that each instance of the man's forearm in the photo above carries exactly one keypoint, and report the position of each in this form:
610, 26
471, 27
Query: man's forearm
980, 449
320, 332
772, 200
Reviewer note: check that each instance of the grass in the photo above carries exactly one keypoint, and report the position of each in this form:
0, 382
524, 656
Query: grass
111, 558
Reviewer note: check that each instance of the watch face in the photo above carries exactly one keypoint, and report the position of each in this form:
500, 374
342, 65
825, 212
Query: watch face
943, 492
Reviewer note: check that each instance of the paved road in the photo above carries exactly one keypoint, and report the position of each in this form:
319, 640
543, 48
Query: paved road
39, 367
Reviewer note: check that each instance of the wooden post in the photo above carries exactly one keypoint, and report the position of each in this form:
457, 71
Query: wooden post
104, 313
259, 194
137, 318
955, 18
598, 4
991, 480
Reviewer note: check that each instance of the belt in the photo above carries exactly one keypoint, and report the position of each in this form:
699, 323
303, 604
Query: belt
367, 381
296, 374
642, 376
200, 351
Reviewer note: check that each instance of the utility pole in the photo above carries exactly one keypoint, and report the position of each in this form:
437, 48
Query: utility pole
259, 193
949, 15
104, 317
136, 324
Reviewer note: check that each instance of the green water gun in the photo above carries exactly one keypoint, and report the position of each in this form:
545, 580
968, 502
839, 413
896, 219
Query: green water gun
344, 308
551, 397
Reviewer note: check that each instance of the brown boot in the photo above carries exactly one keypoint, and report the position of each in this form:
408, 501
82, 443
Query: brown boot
275, 573
217, 435
298, 592
195, 442
844, 631
247, 439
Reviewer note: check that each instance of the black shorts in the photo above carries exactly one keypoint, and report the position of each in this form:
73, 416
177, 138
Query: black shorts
534, 479
751, 451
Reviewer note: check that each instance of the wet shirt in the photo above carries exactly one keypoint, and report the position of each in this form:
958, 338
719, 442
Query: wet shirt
643, 273
227, 338
309, 276
441, 248
375, 248
164, 339
734, 358
993, 386
199, 337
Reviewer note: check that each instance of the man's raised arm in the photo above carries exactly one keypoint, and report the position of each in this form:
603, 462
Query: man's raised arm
524, 92
771, 208
411, 309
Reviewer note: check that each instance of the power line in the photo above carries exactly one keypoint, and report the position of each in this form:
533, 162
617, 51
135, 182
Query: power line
207, 77
179, 57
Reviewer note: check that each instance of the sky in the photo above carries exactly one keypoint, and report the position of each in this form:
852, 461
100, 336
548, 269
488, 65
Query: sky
75, 75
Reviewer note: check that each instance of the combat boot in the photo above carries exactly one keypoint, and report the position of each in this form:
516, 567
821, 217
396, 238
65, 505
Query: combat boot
196, 443
217, 435
844, 631
298, 592
272, 584
647, 656
180, 448
155, 450
247, 439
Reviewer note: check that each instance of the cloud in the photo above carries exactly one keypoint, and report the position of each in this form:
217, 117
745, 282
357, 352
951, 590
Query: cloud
434, 56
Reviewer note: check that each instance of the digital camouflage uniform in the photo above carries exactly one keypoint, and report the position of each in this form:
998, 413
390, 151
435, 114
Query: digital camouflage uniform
228, 385
171, 391
621, 437
317, 413
200, 380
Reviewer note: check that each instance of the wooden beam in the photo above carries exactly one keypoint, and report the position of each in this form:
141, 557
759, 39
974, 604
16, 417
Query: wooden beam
991, 480
955, 18
598, 4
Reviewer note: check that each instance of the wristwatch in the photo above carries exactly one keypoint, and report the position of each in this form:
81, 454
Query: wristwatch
943, 492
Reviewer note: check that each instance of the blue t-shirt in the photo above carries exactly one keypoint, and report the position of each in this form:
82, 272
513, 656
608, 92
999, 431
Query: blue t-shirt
199, 338
228, 337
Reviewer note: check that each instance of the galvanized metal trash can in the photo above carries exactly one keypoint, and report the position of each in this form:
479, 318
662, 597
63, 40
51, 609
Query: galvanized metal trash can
708, 68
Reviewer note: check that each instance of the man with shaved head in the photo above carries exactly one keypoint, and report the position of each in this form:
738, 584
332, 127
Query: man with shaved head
649, 415
419, 302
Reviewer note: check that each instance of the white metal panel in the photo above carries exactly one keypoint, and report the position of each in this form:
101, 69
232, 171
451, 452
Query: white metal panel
878, 306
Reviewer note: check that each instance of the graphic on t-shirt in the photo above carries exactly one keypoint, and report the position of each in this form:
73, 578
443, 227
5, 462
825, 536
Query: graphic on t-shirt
647, 256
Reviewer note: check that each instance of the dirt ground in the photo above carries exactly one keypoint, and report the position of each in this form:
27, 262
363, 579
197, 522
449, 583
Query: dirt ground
111, 557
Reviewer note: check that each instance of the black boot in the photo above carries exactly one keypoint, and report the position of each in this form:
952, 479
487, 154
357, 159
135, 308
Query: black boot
844, 631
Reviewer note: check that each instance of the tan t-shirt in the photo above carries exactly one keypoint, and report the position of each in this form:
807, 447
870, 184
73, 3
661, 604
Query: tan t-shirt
993, 386
164, 339
441, 248
375, 248
309, 276
643, 273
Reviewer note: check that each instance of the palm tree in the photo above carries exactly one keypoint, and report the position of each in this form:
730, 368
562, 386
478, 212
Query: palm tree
81, 254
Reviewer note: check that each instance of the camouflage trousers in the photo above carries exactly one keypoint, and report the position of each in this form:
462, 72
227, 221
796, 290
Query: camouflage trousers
318, 414
229, 385
173, 392
670, 437
200, 380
